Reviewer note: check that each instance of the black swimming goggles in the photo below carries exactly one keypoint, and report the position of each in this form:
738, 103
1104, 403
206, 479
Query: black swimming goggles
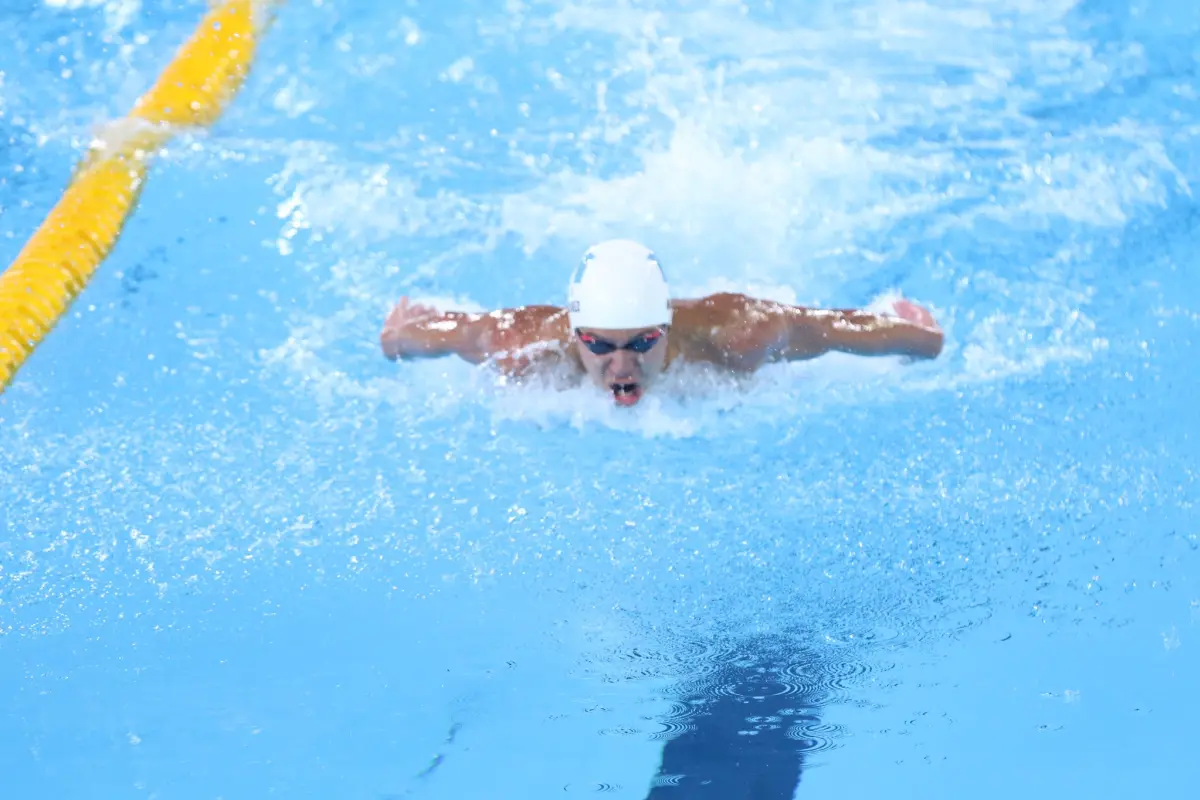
642, 343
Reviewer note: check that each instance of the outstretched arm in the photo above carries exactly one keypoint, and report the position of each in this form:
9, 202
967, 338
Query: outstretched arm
420, 331
745, 332
910, 331
412, 330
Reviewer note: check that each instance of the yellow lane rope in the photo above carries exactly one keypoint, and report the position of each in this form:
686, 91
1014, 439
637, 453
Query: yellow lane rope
62, 255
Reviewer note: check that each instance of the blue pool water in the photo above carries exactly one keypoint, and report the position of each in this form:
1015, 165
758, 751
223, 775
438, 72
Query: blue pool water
242, 555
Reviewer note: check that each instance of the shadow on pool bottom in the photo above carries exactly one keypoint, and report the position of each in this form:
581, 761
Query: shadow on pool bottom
741, 727
745, 730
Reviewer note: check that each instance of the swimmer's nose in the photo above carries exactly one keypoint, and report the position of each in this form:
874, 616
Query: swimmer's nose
624, 365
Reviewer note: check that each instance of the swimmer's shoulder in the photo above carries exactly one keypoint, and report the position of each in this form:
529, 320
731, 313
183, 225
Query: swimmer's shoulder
703, 317
532, 331
552, 323
532, 323
716, 308
531, 340
702, 327
694, 323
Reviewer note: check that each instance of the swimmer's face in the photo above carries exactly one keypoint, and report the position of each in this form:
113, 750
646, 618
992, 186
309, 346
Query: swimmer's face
623, 361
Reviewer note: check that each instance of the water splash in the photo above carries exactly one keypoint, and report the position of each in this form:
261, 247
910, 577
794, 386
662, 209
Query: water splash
875, 174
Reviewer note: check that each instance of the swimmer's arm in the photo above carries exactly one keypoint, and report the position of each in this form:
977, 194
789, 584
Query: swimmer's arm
474, 337
808, 333
446, 333
748, 332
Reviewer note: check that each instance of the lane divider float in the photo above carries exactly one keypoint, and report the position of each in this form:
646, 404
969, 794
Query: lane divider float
57, 262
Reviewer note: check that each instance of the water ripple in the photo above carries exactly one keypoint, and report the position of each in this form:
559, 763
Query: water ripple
816, 737
677, 721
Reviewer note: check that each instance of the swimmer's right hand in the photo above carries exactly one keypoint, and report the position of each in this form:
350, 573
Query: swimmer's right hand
402, 330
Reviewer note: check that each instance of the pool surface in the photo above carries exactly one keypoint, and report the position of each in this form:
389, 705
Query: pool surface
242, 555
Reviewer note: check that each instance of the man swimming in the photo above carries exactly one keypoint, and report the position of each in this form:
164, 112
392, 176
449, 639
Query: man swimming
622, 329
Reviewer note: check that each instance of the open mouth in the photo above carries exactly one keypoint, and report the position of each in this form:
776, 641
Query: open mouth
626, 394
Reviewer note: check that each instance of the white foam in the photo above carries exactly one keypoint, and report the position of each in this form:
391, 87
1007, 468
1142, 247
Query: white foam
692, 400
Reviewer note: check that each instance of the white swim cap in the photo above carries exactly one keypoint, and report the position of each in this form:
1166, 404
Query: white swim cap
618, 284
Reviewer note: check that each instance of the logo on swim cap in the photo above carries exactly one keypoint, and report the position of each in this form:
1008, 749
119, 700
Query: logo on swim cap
654, 259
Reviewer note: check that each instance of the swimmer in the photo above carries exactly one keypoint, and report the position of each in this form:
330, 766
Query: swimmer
622, 329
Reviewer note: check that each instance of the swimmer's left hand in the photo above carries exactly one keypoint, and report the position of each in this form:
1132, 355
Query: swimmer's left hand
911, 312
402, 328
